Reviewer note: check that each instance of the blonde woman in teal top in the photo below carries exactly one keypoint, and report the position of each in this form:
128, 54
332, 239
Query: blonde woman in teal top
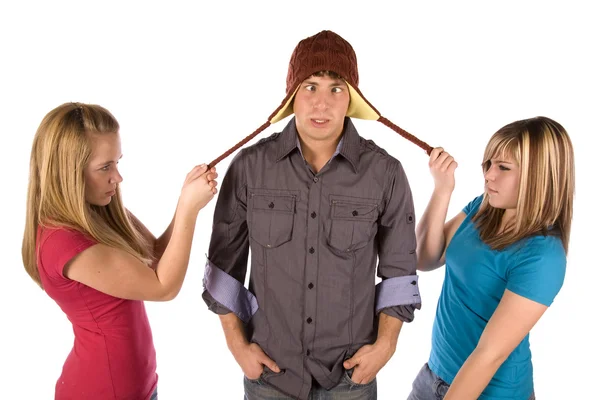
505, 256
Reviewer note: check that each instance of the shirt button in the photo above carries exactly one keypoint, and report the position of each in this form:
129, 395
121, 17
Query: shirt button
315, 179
309, 320
311, 250
308, 352
313, 215
310, 285
271, 205
354, 213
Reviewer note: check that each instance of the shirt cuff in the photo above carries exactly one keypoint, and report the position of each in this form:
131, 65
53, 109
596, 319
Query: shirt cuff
229, 292
399, 291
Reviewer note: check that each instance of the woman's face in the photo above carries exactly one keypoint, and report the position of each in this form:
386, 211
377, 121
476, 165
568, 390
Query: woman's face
101, 173
502, 182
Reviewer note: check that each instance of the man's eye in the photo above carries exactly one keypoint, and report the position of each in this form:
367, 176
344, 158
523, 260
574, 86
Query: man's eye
310, 88
336, 90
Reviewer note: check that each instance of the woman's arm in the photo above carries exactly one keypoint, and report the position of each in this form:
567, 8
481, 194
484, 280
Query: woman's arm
433, 233
158, 245
511, 322
120, 274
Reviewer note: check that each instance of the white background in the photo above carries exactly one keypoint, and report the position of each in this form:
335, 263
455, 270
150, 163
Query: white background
186, 81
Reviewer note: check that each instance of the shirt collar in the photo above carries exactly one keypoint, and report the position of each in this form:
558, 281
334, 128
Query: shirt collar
348, 147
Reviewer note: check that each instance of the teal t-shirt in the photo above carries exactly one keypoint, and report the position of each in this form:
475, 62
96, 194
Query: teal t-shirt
475, 280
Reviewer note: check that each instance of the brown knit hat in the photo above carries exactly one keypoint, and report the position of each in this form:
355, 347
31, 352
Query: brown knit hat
325, 51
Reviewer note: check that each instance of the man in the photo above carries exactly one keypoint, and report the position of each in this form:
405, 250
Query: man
321, 210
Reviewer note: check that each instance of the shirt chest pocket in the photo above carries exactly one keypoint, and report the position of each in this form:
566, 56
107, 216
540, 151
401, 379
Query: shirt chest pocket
353, 222
272, 219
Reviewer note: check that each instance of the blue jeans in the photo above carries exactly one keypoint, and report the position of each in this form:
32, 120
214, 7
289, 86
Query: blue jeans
429, 386
154, 395
257, 389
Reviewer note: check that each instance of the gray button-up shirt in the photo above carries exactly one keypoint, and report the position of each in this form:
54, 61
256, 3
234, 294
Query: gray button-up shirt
316, 242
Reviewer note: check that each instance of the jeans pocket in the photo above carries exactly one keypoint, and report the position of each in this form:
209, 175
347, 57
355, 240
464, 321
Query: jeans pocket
264, 376
257, 380
268, 373
348, 379
440, 388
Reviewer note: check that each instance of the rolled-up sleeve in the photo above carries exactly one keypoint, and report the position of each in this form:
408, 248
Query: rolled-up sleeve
397, 295
227, 263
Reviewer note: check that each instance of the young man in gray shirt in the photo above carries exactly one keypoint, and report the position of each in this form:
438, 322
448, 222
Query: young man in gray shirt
322, 210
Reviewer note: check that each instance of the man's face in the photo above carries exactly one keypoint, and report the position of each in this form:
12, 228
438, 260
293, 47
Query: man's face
320, 106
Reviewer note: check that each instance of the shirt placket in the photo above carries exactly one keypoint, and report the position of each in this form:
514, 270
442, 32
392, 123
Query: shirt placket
311, 268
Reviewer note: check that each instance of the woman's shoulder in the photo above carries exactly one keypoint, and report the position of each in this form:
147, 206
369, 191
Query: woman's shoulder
56, 245
59, 232
547, 245
473, 206
56, 238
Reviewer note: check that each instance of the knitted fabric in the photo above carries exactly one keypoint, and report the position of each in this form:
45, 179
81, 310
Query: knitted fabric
325, 51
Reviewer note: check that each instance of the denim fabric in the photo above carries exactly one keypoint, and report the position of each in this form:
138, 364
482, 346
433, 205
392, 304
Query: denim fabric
429, 386
258, 389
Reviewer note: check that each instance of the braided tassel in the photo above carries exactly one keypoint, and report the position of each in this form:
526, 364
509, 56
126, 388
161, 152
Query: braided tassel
238, 145
405, 134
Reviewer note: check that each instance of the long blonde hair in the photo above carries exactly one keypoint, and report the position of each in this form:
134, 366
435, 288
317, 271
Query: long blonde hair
56, 193
544, 152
